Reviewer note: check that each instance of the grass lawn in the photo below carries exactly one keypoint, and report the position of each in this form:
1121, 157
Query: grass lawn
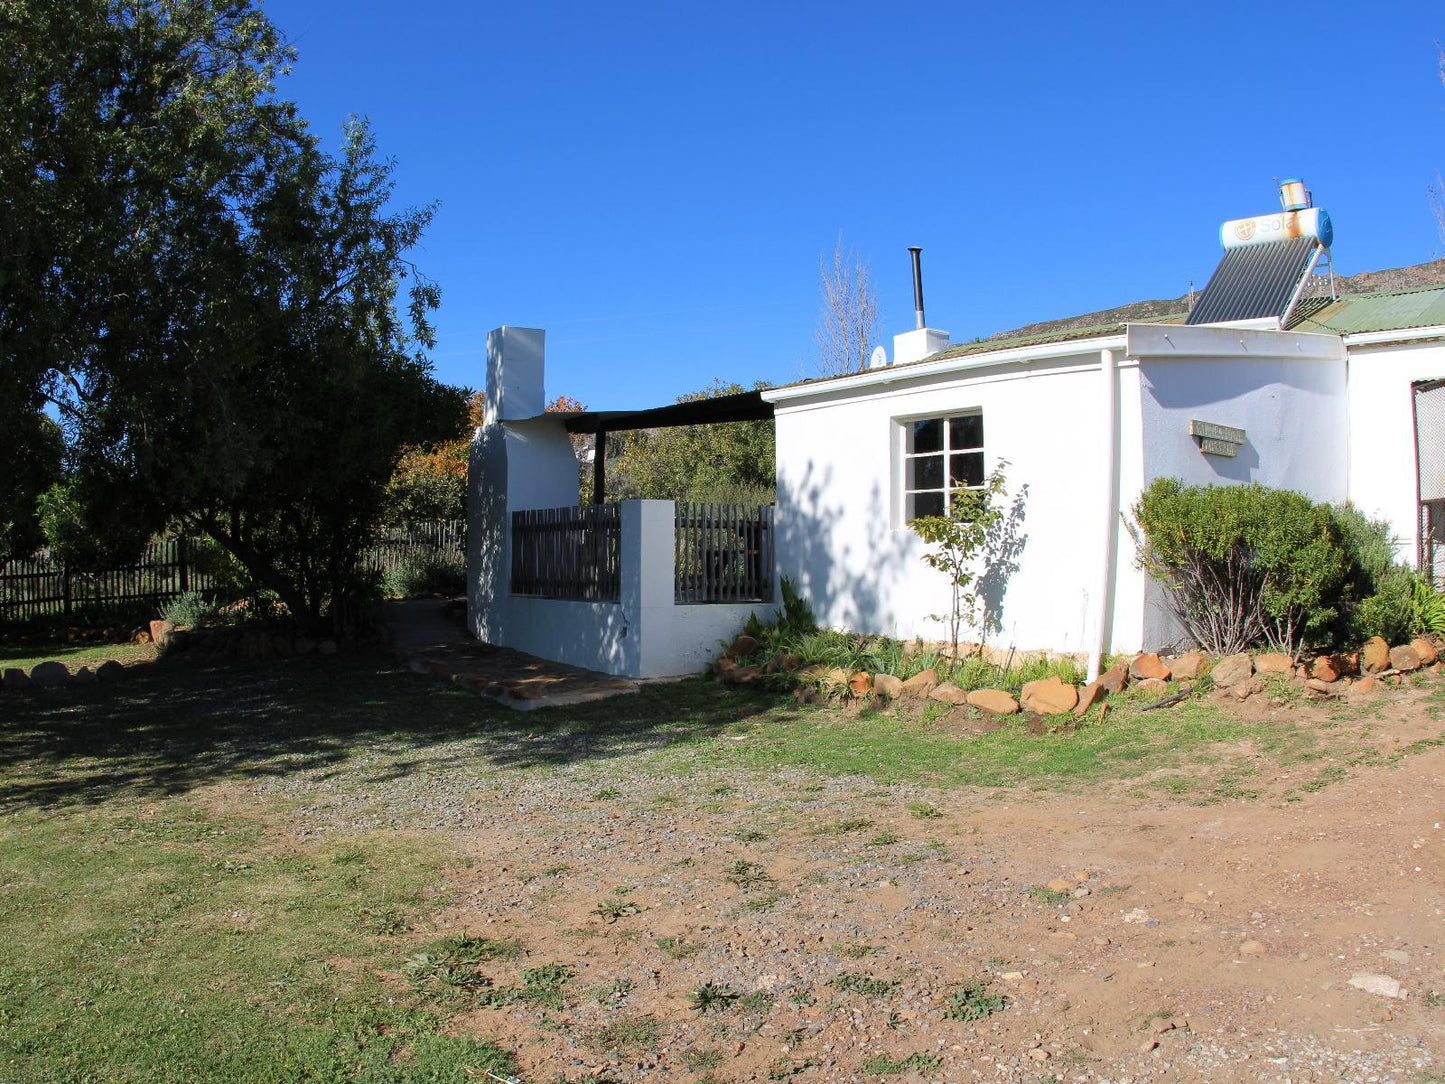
74, 656
153, 933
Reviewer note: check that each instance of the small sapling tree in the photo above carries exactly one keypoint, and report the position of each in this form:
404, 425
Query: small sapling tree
959, 541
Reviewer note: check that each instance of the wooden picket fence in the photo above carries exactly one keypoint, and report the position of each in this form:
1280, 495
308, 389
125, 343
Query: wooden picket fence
41, 586
724, 553
573, 553
393, 547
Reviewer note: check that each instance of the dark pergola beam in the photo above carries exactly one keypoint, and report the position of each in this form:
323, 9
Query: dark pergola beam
747, 406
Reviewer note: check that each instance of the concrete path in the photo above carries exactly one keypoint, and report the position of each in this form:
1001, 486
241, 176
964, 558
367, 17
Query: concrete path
425, 633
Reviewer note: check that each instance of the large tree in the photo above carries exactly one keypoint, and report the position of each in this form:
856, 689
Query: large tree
211, 302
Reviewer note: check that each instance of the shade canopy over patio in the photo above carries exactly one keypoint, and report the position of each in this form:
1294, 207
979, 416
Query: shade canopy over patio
747, 406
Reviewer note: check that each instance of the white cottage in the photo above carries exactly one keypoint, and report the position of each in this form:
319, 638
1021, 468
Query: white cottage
1269, 379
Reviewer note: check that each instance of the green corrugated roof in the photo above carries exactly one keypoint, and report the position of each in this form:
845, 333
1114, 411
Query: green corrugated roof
1393, 310
1386, 310
1092, 331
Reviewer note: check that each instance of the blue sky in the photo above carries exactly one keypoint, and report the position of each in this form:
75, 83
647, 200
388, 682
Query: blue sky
654, 183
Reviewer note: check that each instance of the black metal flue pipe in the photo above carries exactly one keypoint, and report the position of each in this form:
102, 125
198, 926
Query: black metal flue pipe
917, 285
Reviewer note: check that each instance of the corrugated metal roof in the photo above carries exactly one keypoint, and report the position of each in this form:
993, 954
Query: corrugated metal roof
1395, 310
1254, 282
1093, 331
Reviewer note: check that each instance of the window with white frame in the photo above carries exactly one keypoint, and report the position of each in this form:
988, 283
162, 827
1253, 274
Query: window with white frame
939, 456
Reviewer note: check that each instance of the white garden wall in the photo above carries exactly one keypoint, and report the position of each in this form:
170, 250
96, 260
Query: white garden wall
522, 461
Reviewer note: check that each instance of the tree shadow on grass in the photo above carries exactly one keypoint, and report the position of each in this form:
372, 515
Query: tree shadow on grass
175, 726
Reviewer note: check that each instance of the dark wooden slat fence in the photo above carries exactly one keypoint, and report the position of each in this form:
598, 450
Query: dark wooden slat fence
40, 586
724, 553
573, 553
392, 547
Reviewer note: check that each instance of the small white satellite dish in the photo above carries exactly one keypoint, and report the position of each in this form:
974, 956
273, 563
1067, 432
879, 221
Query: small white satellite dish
879, 358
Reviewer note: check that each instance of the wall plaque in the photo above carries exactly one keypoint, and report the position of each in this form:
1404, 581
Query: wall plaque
1214, 439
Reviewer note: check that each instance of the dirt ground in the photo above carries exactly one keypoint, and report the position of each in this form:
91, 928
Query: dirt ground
1096, 936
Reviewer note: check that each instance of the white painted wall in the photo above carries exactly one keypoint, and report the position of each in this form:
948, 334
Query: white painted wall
1286, 391
1382, 481
644, 634
841, 534
842, 538
523, 459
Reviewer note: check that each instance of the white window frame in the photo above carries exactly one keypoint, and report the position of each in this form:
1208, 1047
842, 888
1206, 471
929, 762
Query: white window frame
904, 459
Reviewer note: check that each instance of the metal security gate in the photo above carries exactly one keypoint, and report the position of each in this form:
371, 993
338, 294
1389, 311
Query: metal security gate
1429, 410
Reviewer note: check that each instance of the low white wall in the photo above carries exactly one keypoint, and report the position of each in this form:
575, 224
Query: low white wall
841, 535
523, 459
644, 634
1382, 480
670, 640
592, 635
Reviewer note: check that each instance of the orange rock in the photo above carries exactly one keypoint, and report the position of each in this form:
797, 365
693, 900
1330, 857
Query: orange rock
742, 675
743, 645
1148, 665
1273, 662
1245, 689
1426, 650
1115, 679
921, 683
887, 686
1189, 666
1404, 658
995, 701
1088, 697
949, 693
1049, 696
1374, 655
1325, 668
860, 683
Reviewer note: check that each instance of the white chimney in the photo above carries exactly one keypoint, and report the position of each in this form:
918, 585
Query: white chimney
922, 341
515, 373
918, 344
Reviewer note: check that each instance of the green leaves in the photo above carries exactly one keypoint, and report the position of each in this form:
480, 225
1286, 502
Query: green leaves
731, 463
224, 315
961, 538
1245, 563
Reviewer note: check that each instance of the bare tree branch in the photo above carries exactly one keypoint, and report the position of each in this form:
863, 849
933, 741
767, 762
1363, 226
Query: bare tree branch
848, 312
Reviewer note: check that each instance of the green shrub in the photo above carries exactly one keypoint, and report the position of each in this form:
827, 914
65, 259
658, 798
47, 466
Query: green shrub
1379, 599
191, 609
428, 573
1427, 608
1244, 564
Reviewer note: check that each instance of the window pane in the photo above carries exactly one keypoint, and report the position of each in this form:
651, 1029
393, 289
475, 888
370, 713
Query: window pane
925, 504
966, 432
926, 436
925, 472
967, 470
